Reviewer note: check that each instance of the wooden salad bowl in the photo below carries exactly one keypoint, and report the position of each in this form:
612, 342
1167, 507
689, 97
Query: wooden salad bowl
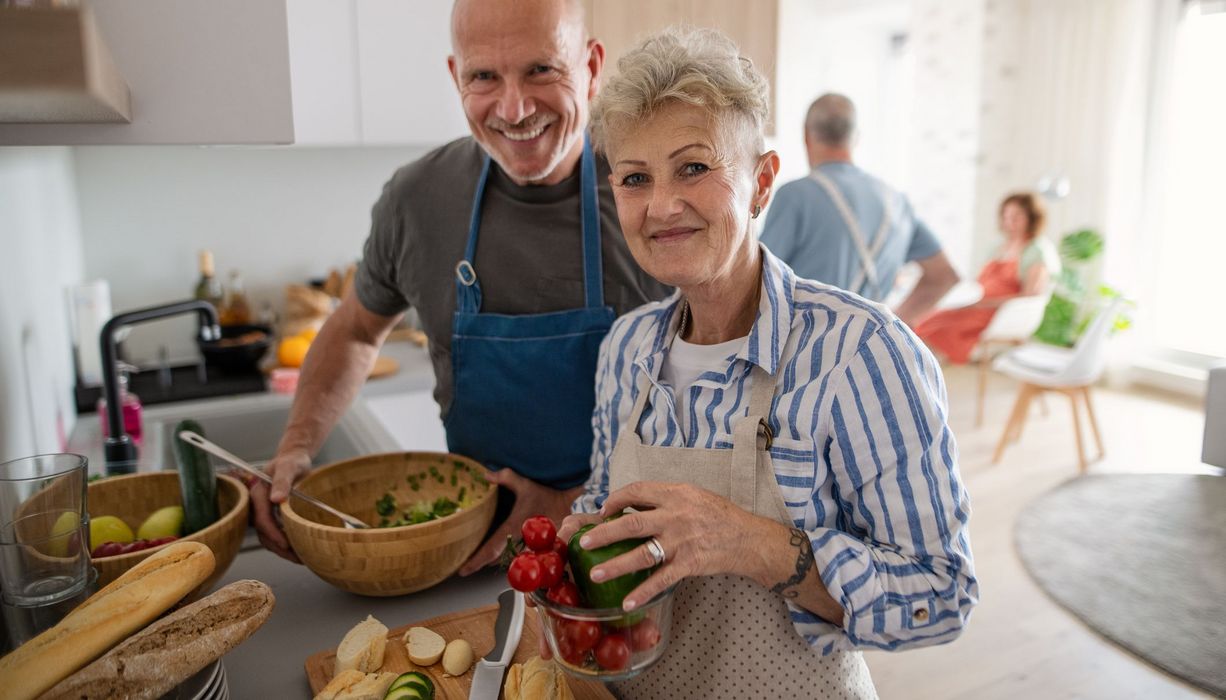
393, 560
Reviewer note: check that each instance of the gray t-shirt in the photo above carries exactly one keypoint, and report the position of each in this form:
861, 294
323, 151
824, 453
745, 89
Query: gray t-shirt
529, 253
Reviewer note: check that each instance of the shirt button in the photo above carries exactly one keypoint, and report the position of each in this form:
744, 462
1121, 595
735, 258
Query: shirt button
920, 615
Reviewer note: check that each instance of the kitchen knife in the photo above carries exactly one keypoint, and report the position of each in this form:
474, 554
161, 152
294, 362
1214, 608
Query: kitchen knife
487, 678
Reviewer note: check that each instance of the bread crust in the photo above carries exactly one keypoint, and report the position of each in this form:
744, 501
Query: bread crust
153, 661
127, 604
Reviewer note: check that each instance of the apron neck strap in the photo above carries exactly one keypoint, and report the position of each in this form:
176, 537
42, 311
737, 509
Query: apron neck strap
468, 288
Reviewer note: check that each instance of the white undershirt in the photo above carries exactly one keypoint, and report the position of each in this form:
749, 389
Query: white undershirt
685, 362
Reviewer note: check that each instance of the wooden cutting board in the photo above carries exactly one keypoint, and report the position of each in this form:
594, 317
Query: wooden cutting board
476, 626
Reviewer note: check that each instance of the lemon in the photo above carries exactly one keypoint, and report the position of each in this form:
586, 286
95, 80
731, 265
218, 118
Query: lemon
61, 533
108, 528
292, 351
309, 334
164, 522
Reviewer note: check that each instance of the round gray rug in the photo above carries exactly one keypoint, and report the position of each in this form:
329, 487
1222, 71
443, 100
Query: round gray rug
1141, 558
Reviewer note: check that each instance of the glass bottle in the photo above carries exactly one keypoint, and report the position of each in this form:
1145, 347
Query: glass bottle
130, 409
235, 310
209, 287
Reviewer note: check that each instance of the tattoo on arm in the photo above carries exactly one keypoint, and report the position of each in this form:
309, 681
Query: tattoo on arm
804, 562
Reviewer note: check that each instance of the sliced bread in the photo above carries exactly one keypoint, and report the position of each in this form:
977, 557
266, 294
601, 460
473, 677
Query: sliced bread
362, 647
425, 645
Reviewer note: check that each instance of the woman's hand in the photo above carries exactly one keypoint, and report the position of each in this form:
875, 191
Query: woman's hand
702, 534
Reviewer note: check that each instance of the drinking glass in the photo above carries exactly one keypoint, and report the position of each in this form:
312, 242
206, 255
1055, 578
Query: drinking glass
44, 533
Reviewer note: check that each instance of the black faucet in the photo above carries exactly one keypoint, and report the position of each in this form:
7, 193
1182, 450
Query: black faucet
119, 450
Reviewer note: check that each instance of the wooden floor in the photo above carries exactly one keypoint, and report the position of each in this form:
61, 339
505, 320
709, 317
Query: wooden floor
1019, 643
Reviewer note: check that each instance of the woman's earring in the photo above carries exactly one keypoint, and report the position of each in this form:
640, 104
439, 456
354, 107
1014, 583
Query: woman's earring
757, 209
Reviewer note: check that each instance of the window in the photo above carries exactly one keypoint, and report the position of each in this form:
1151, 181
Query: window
1191, 225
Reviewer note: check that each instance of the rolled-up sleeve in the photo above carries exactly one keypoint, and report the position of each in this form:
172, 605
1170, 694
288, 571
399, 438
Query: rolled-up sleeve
901, 566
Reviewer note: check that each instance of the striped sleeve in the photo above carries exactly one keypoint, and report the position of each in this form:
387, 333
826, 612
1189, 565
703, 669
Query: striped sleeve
900, 561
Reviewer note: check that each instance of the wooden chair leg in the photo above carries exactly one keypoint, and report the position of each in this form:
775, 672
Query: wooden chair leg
1019, 409
1023, 414
1098, 440
1081, 453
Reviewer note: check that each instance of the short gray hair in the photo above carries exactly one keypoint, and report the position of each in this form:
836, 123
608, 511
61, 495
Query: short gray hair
699, 67
832, 119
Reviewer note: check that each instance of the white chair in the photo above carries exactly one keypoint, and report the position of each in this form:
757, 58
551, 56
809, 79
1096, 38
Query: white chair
1041, 368
1015, 321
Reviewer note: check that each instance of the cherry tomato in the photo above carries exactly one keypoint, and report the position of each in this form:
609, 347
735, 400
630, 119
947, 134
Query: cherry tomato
560, 547
645, 635
525, 573
552, 567
539, 533
583, 634
612, 652
565, 593
568, 652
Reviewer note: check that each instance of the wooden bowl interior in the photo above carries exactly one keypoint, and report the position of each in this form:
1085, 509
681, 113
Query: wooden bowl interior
354, 486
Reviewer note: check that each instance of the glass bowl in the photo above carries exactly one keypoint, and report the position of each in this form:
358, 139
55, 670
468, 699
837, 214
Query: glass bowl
606, 644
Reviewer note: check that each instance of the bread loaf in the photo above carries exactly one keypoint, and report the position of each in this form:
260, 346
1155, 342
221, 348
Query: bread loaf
343, 681
362, 648
372, 687
536, 679
127, 604
153, 661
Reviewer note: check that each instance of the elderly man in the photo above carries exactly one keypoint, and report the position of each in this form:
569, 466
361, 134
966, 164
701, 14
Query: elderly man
507, 244
842, 226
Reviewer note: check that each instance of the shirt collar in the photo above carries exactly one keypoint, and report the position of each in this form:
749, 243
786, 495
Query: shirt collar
767, 337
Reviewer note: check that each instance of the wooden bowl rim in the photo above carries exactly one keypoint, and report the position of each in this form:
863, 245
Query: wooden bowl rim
243, 499
396, 533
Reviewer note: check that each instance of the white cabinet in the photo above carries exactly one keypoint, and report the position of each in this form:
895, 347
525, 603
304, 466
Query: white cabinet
373, 72
198, 72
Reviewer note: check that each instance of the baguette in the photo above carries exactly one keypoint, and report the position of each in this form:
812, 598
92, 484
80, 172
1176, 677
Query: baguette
127, 604
341, 682
153, 661
536, 679
373, 686
362, 648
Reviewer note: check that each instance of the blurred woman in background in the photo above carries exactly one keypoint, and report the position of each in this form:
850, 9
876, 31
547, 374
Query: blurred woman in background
1024, 266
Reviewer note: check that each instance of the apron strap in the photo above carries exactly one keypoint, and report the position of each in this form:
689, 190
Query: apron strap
751, 437
868, 264
593, 270
468, 288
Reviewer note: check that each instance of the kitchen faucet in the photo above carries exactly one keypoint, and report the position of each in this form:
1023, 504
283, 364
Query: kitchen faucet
120, 452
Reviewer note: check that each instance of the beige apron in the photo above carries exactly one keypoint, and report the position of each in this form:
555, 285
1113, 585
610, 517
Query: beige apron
868, 257
730, 636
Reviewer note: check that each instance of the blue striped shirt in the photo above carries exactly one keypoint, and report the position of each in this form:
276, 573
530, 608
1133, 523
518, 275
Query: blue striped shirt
862, 452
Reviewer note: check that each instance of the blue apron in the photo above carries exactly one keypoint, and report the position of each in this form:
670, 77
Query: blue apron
525, 385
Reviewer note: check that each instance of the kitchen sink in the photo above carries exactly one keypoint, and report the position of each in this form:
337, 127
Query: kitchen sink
249, 426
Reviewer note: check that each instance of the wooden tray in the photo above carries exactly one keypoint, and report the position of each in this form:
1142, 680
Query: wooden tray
476, 626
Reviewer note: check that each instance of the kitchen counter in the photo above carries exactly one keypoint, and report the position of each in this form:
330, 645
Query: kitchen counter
312, 616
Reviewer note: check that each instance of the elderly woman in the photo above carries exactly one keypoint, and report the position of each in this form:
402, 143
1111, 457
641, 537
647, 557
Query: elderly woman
784, 443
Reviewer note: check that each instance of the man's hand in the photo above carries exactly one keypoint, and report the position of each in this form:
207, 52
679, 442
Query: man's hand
531, 499
285, 469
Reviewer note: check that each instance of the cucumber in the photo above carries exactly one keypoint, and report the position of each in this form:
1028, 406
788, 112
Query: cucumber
411, 685
406, 692
197, 481
608, 594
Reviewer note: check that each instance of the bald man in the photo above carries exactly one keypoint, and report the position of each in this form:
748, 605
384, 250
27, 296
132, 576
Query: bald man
507, 244
842, 226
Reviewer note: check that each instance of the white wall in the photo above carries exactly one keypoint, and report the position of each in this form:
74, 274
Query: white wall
41, 240
278, 215
845, 47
